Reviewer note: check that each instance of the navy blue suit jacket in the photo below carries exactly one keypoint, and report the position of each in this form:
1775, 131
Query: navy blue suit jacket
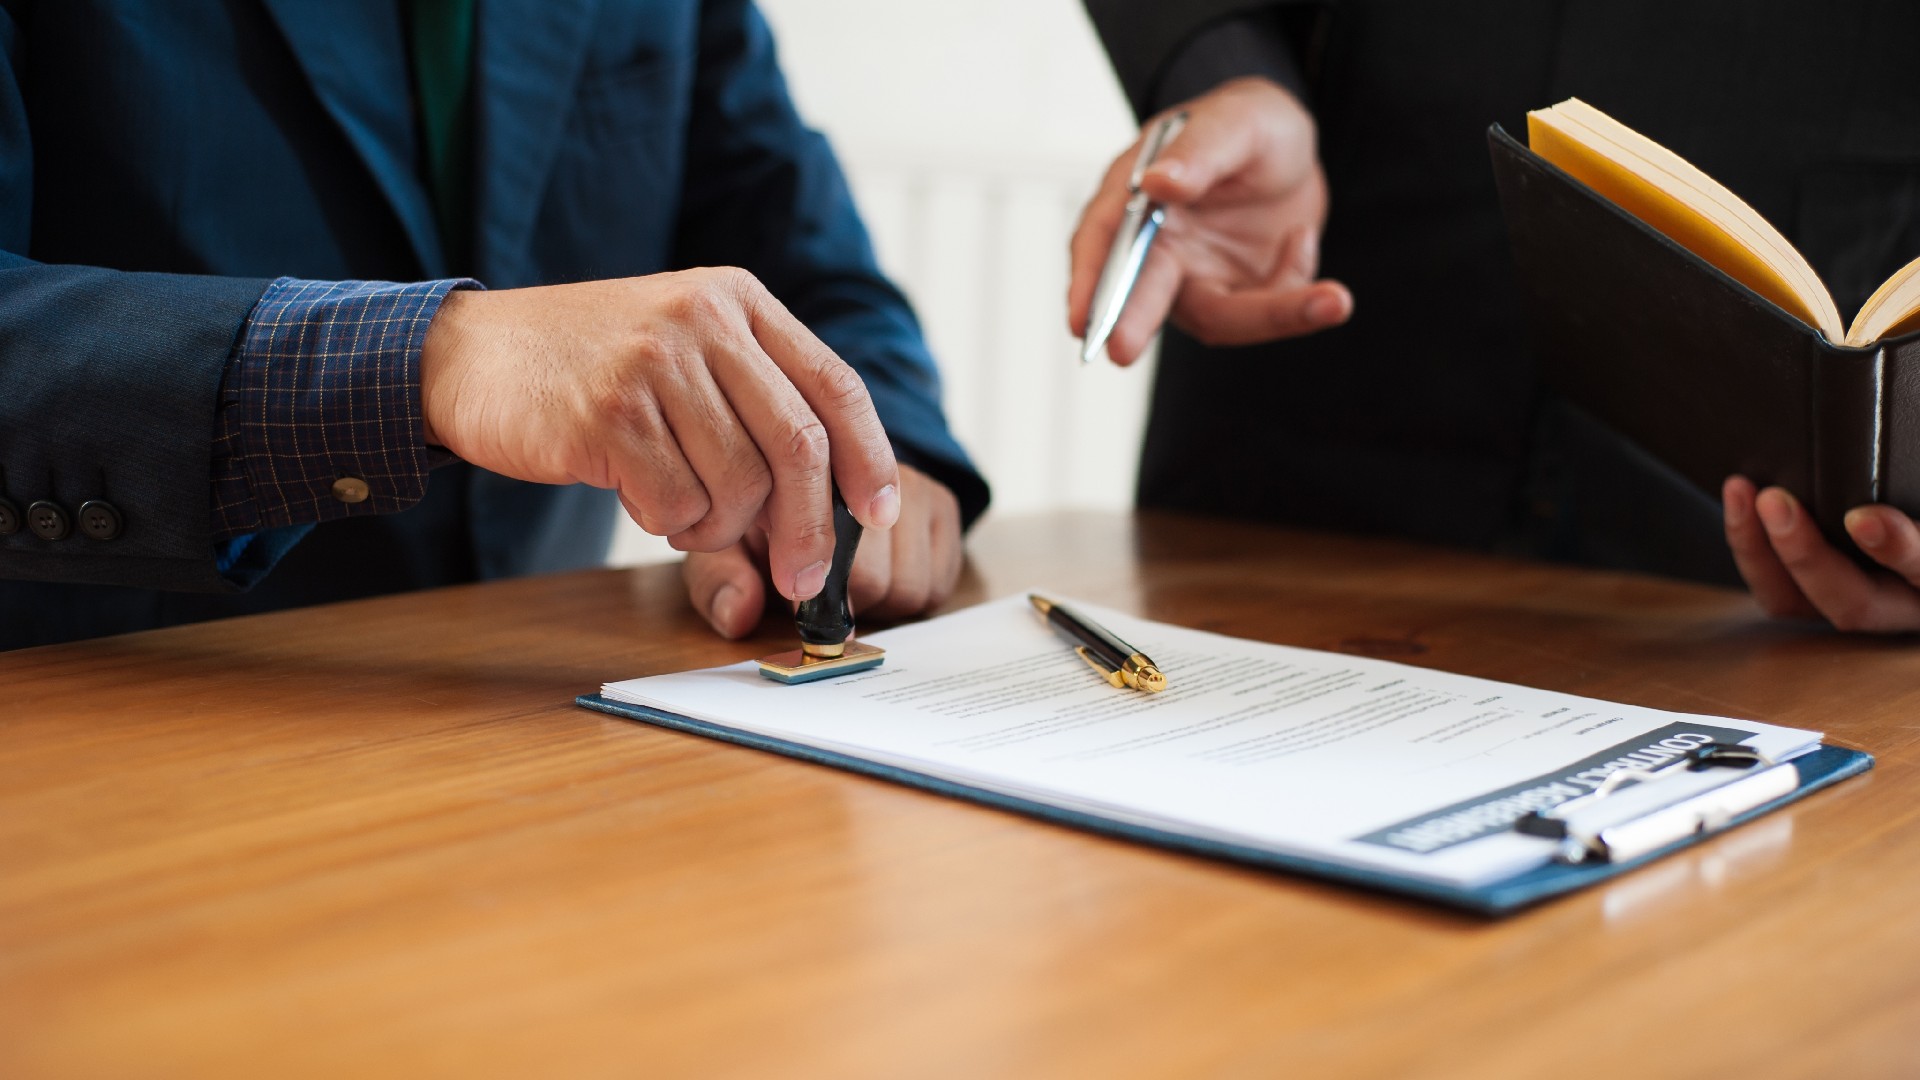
160, 162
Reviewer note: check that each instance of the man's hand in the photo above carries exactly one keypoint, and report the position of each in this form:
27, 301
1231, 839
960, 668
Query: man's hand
1236, 260
696, 395
1795, 573
907, 570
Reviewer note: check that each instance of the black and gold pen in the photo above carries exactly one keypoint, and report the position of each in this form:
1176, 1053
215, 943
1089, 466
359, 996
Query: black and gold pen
1119, 663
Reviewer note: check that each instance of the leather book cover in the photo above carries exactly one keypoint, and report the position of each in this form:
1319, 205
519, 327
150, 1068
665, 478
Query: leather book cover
1696, 368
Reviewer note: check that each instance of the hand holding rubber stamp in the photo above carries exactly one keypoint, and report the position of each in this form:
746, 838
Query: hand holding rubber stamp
825, 621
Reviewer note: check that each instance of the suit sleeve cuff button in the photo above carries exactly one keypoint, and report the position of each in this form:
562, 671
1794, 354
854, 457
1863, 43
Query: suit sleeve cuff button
350, 489
49, 521
99, 519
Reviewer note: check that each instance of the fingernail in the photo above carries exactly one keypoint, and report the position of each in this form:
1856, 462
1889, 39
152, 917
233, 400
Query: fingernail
1323, 309
1776, 511
726, 609
885, 508
1171, 170
809, 581
1866, 529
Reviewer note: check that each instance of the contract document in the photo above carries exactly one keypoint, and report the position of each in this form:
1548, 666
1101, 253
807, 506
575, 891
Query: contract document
1404, 771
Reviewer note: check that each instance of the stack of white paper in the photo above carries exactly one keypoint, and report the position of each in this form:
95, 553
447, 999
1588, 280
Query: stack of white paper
1321, 755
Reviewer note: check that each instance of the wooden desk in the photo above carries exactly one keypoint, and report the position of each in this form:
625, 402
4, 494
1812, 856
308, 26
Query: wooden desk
378, 838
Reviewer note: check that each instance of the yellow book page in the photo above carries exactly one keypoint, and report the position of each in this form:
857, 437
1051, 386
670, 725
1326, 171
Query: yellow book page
1690, 208
1892, 310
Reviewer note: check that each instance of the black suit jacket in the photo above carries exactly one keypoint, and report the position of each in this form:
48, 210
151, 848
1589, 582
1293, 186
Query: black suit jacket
1423, 415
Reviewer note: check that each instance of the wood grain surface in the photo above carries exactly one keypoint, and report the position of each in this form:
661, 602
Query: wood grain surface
378, 839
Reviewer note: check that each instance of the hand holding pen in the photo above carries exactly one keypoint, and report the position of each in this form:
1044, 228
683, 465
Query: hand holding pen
1237, 246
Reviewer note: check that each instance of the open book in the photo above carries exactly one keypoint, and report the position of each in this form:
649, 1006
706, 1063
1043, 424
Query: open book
1666, 308
1655, 185
1346, 767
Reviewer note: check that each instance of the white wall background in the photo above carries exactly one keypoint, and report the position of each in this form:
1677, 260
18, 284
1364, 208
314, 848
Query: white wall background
972, 133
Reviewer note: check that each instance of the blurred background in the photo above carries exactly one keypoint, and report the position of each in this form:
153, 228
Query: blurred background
972, 134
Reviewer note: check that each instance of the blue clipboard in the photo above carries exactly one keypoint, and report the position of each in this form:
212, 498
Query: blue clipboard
1819, 769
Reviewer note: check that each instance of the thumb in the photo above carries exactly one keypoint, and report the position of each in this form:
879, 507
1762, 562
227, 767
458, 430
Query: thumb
1214, 145
727, 588
1248, 130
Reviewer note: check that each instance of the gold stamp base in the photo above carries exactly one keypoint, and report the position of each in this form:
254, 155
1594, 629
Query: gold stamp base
795, 666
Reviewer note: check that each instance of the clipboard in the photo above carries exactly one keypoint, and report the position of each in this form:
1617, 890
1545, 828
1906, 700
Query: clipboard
1809, 772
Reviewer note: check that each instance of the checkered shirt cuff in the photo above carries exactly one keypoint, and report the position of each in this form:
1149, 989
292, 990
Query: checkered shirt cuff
320, 414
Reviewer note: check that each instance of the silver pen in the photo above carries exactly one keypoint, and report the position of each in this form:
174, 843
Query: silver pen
1130, 244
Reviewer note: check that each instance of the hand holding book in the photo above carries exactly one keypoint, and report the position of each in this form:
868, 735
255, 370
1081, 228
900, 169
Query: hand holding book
1667, 307
1795, 574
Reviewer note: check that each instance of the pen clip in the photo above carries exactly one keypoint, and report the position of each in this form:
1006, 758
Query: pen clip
1112, 675
1157, 140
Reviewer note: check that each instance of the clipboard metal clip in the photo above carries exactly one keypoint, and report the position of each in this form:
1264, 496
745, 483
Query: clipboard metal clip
1591, 828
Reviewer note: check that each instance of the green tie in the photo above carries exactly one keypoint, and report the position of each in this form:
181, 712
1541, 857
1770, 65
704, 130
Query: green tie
442, 46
